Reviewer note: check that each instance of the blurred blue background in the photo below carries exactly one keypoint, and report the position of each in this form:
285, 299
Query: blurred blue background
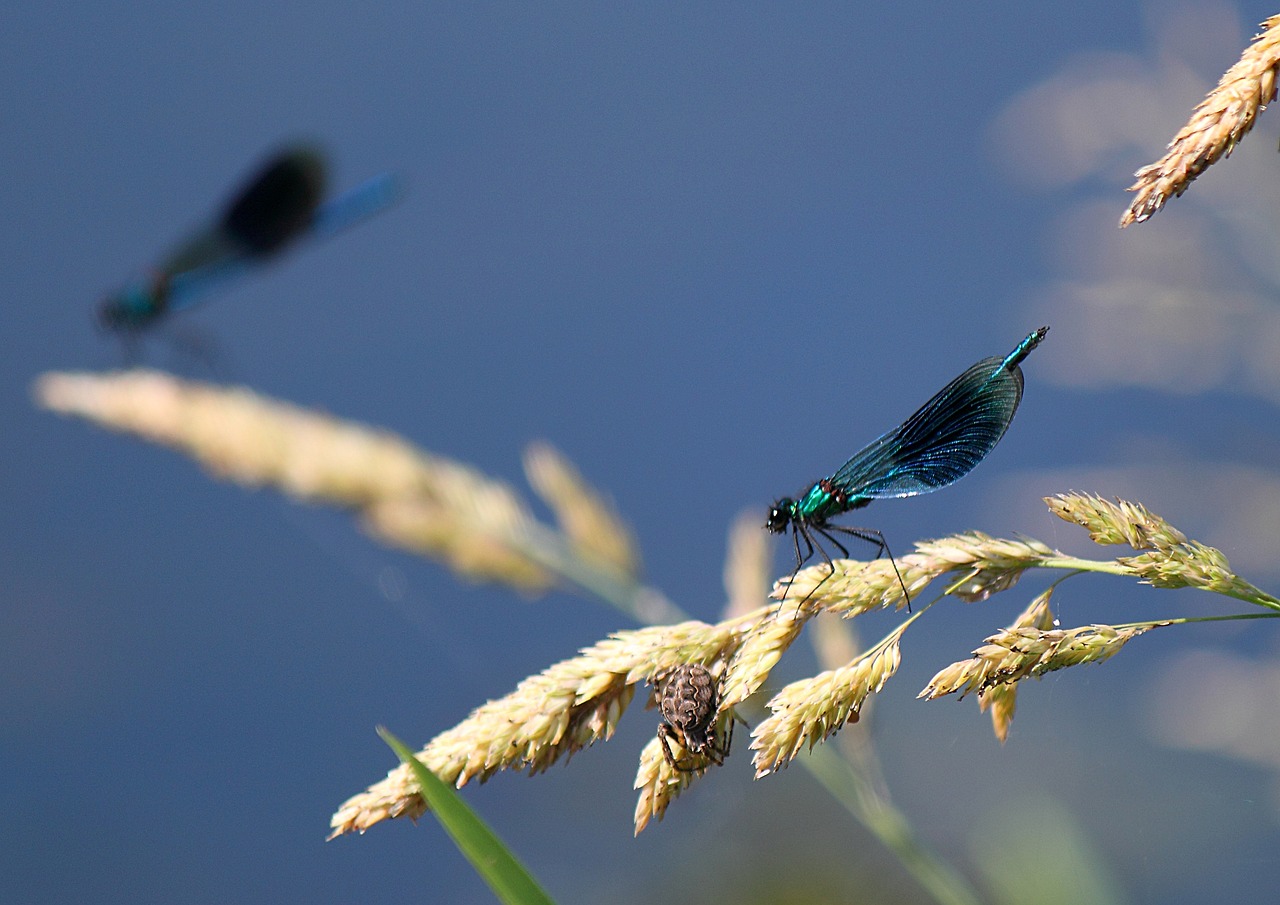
708, 252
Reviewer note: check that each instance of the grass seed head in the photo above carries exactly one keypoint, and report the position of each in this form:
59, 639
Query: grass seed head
808, 711
1216, 126
1116, 522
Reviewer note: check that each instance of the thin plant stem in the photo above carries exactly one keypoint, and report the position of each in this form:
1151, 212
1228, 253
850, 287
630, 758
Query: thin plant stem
1105, 566
1111, 567
852, 784
1187, 620
847, 785
643, 603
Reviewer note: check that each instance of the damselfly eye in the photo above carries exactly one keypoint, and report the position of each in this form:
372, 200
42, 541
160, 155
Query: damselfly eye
779, 516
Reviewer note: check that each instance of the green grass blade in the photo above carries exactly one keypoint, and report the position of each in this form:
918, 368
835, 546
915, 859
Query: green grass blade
492, 860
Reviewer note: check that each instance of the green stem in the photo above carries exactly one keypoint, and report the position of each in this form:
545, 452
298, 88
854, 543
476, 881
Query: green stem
642, 603
852, 781
1105, 566
847, 785
1256, 596
1186, 620
1261, 598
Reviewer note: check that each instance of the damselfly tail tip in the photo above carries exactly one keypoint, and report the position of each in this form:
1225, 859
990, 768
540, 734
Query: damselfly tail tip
1024, 348
381, 191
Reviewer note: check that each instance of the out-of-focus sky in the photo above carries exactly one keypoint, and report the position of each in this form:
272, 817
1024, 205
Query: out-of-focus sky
707, 251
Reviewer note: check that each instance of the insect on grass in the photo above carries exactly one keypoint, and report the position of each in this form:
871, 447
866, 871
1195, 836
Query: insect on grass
937, 446
286, 201
689, 700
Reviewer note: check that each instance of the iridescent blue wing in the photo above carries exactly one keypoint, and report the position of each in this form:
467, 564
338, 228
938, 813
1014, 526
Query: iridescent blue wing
223, 254
946, 437
186, 287
268, 212
370, 197
277, 205
280, 205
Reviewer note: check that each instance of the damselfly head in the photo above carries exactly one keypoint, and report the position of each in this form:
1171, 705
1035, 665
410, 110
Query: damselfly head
780, 515
135, 306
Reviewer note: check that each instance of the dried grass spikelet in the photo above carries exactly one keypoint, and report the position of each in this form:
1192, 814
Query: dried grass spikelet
549, 716
589, 521
243, 437
1002, 700
408, 497
659, 783
1013, 654
1192, 565
849, 587
1168, 559
759, 652
1116, 522
1216, 126
746, 565
808, 711
471, 545
989, 564
836, 642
